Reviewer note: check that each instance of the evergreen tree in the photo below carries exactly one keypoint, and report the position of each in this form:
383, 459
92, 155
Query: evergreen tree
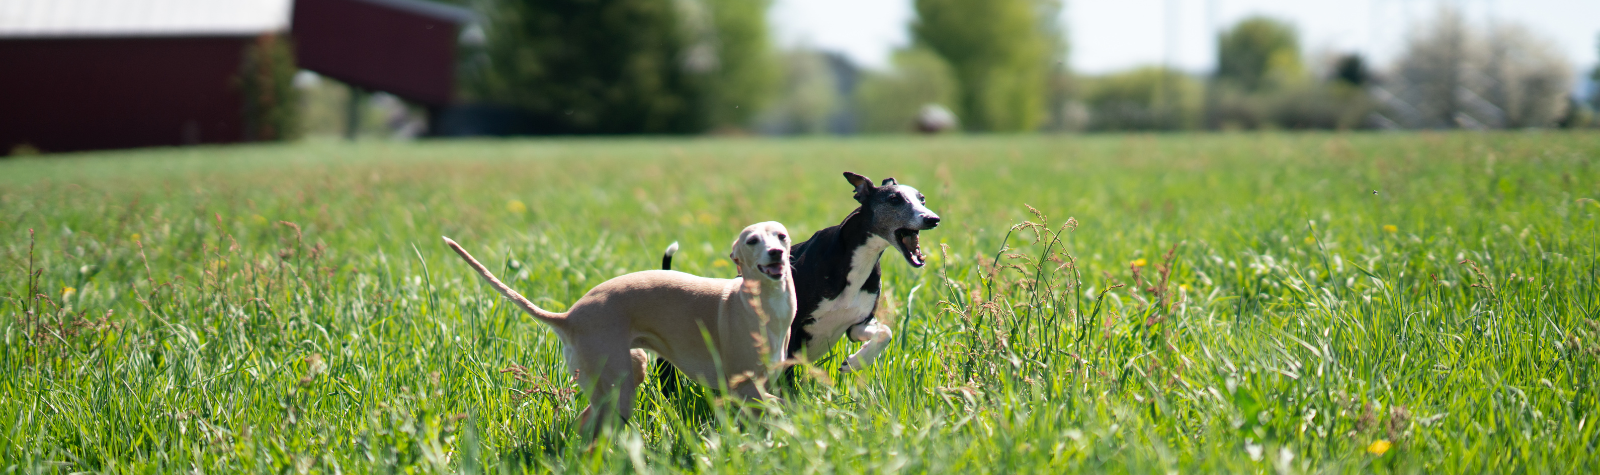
999, 54
1351, 70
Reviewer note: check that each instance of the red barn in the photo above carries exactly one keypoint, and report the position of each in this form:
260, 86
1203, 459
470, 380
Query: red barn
402, 47
98, 74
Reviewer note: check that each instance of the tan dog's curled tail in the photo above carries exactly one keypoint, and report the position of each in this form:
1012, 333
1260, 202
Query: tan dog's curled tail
554, 319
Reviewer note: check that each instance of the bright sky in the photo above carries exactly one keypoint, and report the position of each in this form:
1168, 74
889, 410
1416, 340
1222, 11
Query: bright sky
1111, 35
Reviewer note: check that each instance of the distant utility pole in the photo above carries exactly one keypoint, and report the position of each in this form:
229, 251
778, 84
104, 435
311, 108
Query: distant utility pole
1212, 25
1374, 16
352, 112
1214, 37
1164, 96
1171, 33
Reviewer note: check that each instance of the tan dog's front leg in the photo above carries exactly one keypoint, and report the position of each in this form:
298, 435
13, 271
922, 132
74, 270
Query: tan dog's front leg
877, 336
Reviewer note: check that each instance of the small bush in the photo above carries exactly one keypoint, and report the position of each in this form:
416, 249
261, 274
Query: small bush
1143, 99
266, 81
1309, 106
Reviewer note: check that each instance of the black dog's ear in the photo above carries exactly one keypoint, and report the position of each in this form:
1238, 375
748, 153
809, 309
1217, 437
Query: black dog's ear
863, 185
889, 181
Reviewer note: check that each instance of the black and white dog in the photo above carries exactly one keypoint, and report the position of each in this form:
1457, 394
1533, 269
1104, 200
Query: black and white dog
836, 273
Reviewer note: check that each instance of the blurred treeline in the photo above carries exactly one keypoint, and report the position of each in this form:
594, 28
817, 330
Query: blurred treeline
691, 66
1451, 74
624, 66
698, 66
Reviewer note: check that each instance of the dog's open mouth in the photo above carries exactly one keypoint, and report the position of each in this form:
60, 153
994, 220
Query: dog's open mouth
773, 270
910, 247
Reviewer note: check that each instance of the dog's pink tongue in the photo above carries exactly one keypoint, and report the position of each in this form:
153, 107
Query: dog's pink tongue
911, 244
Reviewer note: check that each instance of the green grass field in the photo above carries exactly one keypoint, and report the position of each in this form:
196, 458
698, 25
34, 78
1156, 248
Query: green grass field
1191, 303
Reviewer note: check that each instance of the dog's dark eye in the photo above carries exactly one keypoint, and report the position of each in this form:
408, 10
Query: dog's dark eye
752, 241
896, 199
783, 237
924, 199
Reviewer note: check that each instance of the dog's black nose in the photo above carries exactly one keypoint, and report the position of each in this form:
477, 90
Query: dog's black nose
775, 252
931, 221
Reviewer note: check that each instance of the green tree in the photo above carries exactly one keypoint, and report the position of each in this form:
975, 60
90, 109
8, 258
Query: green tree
594, 66
1258, 54
999, 54
747, 72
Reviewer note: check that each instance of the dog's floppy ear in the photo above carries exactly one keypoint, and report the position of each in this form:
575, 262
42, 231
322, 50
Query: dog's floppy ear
889, 181
863, 185
733, 252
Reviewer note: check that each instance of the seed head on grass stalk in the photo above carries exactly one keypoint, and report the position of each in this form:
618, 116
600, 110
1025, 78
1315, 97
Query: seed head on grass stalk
1483, 279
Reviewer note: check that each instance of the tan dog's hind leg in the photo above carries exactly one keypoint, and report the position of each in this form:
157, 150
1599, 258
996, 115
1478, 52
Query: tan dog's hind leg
611, 381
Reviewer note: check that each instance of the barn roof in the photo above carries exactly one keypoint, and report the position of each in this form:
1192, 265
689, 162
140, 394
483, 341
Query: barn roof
100, 18
450, 13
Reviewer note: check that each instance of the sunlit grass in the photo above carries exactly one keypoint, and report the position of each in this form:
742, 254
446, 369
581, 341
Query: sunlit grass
1295, 303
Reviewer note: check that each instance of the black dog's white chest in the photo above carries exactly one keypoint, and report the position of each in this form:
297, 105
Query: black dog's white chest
854, 301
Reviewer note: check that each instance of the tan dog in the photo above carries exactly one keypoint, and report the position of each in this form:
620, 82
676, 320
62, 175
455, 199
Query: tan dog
728, 332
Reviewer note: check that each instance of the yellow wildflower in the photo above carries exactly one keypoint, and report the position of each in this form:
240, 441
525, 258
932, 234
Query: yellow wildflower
1390, 228
719, 263
1310, 240
259, 220
516, 206
68, 291
1379, 447
1140, 262
134, 237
